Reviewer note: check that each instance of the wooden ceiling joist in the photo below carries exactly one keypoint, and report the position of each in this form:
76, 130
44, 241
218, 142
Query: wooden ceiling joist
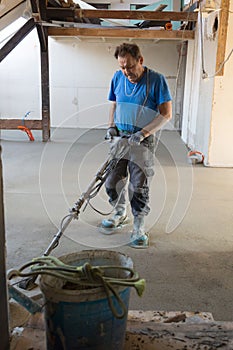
122, 33
120, 14
77, 15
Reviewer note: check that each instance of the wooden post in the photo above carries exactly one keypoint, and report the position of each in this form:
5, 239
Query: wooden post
40, 7
4, 323
45, 89
222, 36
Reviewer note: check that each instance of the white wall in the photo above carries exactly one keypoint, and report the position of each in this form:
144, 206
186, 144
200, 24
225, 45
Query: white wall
20, 76
207, 119
198, 96
220, 144
80, 73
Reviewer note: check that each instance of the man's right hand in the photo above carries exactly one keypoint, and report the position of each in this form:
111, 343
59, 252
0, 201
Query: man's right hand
111, 132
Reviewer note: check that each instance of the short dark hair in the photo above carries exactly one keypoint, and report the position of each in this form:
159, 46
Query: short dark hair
125, 48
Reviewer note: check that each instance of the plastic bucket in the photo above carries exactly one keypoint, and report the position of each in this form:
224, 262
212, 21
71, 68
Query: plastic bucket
82, 318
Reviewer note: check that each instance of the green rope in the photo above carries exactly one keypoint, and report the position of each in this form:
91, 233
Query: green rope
85, 276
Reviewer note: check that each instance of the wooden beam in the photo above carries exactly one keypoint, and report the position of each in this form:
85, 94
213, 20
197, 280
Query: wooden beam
14, 123
42, 37
222, 36
17, 38
141, 15
45, 93
123, 33
120, 14
39, 8
4, 322
42, 10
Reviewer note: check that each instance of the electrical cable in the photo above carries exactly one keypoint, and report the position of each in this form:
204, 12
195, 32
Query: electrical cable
220, 67
205, 75
117, 153
99, 187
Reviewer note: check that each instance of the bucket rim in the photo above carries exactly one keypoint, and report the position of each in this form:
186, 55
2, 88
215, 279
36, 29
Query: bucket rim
51, 286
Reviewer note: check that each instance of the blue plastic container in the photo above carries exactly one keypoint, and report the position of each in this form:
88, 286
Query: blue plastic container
81, 318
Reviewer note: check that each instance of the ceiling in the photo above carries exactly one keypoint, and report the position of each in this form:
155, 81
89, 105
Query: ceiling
59, 19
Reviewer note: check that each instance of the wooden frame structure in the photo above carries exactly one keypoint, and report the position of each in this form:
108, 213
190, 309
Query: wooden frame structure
4, 320
222, 36
43, 15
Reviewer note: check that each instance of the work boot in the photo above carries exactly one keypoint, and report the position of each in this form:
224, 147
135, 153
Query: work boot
139, 238
118, 217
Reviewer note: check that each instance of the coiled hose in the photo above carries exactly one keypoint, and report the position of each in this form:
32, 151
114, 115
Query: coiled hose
85, 276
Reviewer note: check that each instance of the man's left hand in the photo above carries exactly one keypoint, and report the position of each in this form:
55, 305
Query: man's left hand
136, 138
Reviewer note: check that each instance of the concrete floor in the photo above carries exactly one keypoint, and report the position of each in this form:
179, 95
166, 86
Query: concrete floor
189, 263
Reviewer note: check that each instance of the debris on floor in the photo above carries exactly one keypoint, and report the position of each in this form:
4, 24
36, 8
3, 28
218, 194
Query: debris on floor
27, 331
170, 316
177, 330
146, 330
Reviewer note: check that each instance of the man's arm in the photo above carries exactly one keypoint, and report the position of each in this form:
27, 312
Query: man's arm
111, 115
165, 115
112, 130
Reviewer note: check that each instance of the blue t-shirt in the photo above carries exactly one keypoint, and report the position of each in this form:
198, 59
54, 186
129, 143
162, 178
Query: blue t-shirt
132, 112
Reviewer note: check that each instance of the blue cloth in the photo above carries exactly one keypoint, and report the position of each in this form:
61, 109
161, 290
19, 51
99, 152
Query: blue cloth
130, 116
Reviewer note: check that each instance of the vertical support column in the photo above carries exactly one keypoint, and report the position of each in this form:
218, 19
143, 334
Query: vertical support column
222, 36
180, 83
4, 323
45, 88
40, 7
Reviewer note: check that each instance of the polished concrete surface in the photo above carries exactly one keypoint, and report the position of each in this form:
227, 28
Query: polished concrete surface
189, 264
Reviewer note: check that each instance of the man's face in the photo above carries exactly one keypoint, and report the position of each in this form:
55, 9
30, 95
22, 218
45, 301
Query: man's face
131, 67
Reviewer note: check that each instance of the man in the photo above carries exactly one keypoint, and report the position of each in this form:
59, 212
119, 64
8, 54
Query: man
141, 105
